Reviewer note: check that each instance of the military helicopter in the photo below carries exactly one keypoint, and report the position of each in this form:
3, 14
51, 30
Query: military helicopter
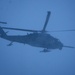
38, 38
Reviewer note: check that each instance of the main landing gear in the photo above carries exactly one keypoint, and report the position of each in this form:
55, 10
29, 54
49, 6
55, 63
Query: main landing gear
45, 50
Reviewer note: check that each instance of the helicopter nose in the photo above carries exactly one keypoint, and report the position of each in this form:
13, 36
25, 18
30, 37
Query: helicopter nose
60, 46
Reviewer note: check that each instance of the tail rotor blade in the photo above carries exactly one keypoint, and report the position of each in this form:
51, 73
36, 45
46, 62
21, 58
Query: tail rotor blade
3, 22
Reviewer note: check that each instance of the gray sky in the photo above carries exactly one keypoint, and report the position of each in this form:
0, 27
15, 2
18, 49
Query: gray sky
20, 59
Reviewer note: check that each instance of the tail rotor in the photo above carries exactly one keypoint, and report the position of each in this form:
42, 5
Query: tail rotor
2, 33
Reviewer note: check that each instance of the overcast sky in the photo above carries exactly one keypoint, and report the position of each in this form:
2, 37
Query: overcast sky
20, 59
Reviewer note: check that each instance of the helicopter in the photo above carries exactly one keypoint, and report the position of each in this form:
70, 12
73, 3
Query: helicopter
37, 38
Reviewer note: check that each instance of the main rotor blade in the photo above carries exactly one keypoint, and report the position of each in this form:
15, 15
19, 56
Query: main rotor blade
46, 22
63, 30
3, 22
20, 29
28, 30
69, 46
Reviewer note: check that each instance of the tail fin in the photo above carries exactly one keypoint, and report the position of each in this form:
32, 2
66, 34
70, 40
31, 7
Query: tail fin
2, 33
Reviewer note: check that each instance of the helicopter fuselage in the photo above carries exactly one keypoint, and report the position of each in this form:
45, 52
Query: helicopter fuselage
38, 40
